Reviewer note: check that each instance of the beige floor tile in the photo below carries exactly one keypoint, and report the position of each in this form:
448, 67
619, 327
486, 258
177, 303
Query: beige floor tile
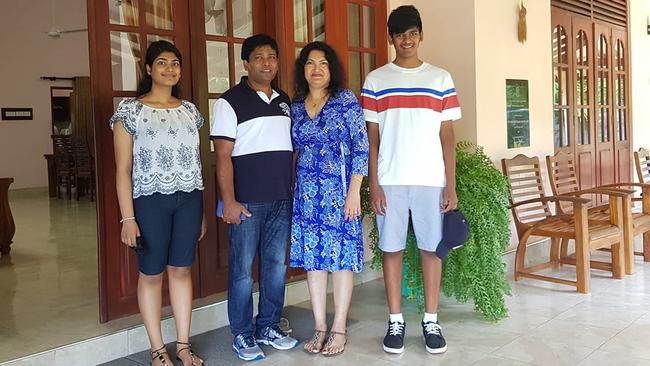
499, 361
416, 355
601, 358
632, 341
575, 334
540, 351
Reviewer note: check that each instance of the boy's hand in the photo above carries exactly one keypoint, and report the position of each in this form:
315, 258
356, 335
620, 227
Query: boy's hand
449, 199
377, 199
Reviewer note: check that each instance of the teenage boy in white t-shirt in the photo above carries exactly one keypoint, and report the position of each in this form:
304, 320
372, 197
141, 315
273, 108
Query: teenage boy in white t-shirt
409, 105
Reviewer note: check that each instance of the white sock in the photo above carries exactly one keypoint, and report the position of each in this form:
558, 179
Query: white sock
397, 318
428, 317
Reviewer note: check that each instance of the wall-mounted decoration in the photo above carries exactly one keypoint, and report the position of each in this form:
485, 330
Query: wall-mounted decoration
17, 114
522, 31
518, 114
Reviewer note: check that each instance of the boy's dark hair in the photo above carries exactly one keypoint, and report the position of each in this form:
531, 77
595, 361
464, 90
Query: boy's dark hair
337, 76
258, 40
403, 18
154, 50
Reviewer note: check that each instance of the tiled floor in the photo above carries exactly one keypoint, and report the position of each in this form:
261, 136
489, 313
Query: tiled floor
548, 325
48, 297
48, 285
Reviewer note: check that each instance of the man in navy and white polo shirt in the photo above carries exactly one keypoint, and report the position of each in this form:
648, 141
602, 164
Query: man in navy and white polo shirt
252, 138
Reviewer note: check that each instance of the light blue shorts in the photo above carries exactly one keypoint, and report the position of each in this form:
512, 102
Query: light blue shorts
426, 214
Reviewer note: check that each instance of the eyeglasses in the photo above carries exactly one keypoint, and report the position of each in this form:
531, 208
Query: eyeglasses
405, 35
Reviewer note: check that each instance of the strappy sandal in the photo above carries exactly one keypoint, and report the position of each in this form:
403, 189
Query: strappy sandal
188, 348
330, 341
316, 340
159, 354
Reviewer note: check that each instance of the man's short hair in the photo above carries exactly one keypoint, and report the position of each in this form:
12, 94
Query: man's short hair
403, 18
258, 40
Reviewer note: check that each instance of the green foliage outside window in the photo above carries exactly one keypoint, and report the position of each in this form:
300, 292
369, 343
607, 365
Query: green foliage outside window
477, 271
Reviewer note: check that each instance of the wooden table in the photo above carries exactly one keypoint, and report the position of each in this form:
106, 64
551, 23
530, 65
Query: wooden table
7, 226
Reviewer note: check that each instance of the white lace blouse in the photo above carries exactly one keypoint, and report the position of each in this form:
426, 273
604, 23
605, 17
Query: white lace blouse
166, 155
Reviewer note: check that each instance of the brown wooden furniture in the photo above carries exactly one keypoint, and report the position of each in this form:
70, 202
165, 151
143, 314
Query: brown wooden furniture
563, 179
51, 175
532, 216
642, 164
84, 169
7, 226
63, 163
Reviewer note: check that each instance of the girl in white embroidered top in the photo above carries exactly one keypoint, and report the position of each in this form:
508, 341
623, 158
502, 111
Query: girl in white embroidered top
160, 192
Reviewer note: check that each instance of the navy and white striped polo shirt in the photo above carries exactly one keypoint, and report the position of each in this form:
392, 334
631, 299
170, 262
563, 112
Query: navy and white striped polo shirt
260, 127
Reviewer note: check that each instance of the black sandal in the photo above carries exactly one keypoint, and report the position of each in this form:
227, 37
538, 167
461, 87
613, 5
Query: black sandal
188, 348
159, 354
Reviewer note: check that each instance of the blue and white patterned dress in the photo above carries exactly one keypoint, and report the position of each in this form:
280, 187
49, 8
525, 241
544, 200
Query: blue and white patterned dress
331, 147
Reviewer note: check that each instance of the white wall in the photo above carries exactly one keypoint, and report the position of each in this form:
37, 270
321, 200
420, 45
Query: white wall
640, 69
27, 54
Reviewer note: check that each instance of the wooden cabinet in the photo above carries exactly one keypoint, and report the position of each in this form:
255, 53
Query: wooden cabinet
7, 226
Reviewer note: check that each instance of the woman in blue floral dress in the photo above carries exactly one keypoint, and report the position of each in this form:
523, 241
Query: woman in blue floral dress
331, 148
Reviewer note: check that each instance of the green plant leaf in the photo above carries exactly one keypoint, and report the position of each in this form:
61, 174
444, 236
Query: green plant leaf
477, 271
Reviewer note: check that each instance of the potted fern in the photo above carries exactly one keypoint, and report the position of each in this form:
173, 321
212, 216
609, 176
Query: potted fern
477, 271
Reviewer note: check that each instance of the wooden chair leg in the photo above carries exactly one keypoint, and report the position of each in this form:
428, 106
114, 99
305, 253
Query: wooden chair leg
583, 257
618, 253
520, 255
555, 252
564, 251
68, 187
628, 237
646, 246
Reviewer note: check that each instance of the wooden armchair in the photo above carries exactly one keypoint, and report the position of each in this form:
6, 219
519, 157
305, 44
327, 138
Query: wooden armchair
532, 216
561, 173
642, 163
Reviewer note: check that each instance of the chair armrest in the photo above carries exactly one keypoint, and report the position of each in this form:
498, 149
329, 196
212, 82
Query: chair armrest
627, 184
610, 192
575, 200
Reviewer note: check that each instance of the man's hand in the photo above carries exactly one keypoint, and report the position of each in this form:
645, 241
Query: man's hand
232, 212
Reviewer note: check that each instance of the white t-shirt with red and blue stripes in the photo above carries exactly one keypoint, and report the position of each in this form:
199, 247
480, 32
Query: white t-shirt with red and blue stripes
410, 104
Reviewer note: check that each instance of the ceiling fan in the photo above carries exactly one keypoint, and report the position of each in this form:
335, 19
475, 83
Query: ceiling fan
55, 31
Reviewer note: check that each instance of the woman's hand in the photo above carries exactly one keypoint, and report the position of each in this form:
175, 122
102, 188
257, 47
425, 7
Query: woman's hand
204, 228
130, 231
352, 208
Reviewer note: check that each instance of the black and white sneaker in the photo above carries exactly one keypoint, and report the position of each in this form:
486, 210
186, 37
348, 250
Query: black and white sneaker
394, 339
433, 339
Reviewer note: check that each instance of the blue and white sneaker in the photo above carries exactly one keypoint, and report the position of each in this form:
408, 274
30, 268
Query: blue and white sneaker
274, 336
246, 348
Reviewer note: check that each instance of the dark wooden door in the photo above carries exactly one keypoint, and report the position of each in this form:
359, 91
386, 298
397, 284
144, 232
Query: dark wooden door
604, 142
209, 35
563, 90
583, 111
119, 34
591, 115
621, 102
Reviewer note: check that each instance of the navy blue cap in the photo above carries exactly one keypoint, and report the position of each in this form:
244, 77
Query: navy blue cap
455, 231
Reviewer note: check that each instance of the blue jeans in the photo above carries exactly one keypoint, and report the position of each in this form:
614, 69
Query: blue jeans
267, 231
